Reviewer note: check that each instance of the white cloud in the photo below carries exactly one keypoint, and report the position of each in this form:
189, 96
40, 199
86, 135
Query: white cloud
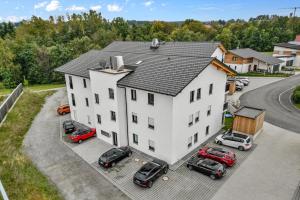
13, 18
75, 8
96, 7
40, 5
114, 8
53, 5
148, 3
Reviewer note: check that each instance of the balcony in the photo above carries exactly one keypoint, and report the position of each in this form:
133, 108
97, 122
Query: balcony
225, 106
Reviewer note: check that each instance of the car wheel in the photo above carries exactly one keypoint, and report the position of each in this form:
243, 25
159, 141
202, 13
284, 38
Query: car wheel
190, 167
150, 184
80, 141
241, 148
113, 164
165, 170
219, 142
63, 113
213, 177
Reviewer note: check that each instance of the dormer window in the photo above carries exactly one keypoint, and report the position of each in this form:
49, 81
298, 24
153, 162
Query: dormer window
138, 62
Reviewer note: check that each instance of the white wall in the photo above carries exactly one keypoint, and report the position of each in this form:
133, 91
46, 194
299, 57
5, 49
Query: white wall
219, 54
80, 112
182, 108
162, 114
100, 82
240, 68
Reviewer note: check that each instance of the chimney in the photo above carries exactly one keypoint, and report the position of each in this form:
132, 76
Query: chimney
154, 44
117, 62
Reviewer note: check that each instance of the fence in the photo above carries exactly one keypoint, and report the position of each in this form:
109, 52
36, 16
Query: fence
9, 101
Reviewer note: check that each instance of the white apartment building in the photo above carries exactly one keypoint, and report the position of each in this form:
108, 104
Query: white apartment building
161, 99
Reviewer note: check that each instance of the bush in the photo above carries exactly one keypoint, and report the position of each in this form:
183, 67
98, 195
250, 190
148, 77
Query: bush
296, 96
12, 76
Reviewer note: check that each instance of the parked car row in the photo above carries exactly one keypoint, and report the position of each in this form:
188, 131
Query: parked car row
240, 82
78, 132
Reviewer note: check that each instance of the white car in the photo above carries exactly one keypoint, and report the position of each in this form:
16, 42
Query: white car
236, 140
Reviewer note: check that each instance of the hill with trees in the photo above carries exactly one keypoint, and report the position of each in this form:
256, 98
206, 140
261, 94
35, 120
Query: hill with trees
30, 50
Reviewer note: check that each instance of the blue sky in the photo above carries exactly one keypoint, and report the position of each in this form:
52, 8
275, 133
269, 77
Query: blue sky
169, 10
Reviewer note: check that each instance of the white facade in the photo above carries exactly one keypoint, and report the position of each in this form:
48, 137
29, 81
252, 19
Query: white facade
168, 138
281, 53
254, 66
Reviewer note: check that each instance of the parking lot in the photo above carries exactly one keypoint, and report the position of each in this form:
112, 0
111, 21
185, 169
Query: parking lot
181, 184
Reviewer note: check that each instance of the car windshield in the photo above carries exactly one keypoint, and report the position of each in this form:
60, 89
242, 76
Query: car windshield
210, 163
147, 168
69, 126
248, 140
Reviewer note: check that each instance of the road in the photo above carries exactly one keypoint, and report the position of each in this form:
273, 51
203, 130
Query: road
275, 98
75, 179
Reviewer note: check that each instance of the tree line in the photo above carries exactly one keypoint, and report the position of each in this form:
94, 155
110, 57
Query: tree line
30, 50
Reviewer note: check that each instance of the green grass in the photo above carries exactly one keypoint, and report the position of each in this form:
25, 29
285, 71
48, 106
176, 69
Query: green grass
297, 105
269, 53
4, 91
21, 179
257, 74
228, 123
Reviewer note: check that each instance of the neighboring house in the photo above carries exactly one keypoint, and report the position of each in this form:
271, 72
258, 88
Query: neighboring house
288, 52
161, 99
247, 60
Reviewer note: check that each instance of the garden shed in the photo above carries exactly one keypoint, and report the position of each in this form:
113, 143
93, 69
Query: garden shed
248, 120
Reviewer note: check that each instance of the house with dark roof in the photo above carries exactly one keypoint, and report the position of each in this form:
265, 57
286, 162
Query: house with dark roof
288, 52
247, 60
161, 98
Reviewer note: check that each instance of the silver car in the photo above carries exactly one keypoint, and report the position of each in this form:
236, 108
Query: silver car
236, 140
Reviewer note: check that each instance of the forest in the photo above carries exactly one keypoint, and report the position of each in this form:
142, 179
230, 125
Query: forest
31, 49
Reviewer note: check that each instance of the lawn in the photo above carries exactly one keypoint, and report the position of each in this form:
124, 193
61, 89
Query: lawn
297, 105
269, 53
21, 179
4, 91
257, 74
228, 123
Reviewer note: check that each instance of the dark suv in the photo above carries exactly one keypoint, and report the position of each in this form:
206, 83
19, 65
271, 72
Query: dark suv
114, 155
206, 166
69, 126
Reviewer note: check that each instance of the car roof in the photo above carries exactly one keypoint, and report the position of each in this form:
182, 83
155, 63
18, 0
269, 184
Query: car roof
159, 162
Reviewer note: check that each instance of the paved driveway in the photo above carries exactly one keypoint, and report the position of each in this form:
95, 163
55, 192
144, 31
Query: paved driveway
275, 99
73, 176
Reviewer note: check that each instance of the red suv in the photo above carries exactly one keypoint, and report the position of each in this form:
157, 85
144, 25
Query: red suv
63, 109
82, 134
218, 154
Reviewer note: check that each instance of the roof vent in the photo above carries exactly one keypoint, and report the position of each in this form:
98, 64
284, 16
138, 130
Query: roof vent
117, 62
154, 44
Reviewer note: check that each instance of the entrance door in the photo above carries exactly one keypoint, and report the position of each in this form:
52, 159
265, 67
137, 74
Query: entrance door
115, 138
255, 68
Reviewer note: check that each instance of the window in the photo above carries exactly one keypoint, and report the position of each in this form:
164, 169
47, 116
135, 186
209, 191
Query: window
190, 120
150, 99
105, 133
207, 130
150, 123
198, 93
209, 111
134, 118
73, 99
70, 82
113, 115
87, 102
135, 138
151, 145
96, 98
211, 87
234, 58
84, 83
89, 119
99, 119
133, 95
192, 93
190, 139
197, 116
195, 138
235, 68
111, 93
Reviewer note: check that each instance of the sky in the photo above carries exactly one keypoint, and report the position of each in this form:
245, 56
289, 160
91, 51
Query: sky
167, 10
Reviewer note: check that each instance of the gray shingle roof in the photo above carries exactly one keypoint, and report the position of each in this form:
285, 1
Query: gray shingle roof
166, 70
288, 45
250, 53
249, 112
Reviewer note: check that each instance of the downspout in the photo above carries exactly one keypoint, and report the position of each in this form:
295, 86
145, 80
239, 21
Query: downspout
126, 111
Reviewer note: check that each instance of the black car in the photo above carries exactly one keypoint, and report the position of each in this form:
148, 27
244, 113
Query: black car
114, 155
206, 166
149, 172
69, 126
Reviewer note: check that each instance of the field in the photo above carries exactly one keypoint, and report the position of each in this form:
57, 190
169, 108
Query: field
21, 179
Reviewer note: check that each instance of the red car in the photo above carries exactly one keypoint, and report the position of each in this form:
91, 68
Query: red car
82, 134
218, 154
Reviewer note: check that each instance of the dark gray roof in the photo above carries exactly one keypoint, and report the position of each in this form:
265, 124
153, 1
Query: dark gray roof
249, 112
288, 45
166, 70
250, 53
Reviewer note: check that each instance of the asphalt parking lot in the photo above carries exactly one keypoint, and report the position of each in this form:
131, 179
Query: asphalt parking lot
181, 184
